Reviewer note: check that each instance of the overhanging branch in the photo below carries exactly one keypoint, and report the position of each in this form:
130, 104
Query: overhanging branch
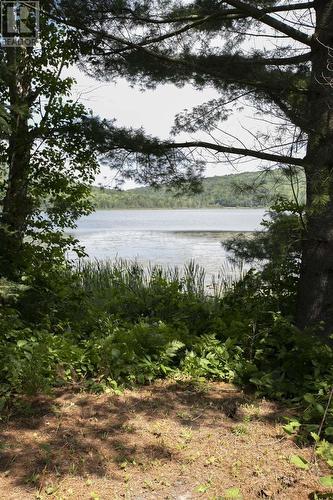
224, 14
286, 160
241, 10
264, 18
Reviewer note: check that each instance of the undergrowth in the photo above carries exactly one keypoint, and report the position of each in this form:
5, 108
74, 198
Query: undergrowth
106, 326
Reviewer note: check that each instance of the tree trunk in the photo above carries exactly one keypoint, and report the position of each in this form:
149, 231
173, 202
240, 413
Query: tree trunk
315, 299
16, 203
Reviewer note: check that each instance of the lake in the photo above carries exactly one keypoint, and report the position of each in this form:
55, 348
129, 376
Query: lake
165, 237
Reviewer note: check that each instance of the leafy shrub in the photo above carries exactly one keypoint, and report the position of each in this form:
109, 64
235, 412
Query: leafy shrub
276, 249
212, 359
139, 353
32, 359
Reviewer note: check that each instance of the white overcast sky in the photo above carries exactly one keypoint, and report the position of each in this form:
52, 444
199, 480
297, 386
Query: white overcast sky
154, 110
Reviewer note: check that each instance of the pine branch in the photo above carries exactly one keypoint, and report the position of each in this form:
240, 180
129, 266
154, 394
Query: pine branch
287, 160
229, 70
141, 47
264, 18
273, 61
279, 61
226, 13
290, 113
166, 36
128, 44
260, 14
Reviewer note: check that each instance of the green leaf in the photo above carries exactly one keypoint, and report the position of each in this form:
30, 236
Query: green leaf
326, 481
234, 493
315, 436
299, 462
49, 490
291, 427
320, 409
21, 343
309, 398
202, 488
329, 431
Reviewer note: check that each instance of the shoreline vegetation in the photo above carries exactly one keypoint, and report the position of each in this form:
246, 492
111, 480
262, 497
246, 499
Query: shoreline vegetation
244, 190
114, 333
240, 207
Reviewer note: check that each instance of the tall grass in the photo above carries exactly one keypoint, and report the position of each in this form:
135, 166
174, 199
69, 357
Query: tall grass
101, 275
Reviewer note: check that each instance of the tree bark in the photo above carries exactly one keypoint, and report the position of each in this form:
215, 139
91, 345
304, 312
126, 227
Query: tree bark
16, 204
315, 298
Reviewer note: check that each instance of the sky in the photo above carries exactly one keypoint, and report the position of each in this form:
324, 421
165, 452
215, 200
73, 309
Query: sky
154, 110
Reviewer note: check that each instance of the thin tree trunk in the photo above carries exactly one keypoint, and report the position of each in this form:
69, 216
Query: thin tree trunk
16, 203
315, 300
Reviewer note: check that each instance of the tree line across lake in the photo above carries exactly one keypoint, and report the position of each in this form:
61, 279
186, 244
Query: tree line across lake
247, 189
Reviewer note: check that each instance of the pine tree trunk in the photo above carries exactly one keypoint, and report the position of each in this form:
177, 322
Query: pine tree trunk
16, 204
315, 300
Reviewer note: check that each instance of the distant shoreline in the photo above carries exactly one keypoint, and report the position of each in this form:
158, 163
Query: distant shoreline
236, 191
177, 209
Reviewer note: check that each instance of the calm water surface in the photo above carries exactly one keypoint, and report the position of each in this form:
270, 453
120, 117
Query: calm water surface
165, 237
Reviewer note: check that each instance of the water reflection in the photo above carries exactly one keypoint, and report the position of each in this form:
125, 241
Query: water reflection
165, 237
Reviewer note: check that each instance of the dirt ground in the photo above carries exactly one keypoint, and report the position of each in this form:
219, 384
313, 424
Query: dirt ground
171, 440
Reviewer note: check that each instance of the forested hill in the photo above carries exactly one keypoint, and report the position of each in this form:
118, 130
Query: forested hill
248, 189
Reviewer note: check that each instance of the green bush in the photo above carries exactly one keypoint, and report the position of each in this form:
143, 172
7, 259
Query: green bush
213, 359
135, 354
32, 359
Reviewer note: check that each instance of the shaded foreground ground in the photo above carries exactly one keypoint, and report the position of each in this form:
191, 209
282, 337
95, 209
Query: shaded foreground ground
171, 440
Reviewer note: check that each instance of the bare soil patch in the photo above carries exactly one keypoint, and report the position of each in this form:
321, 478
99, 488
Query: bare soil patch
171, 440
